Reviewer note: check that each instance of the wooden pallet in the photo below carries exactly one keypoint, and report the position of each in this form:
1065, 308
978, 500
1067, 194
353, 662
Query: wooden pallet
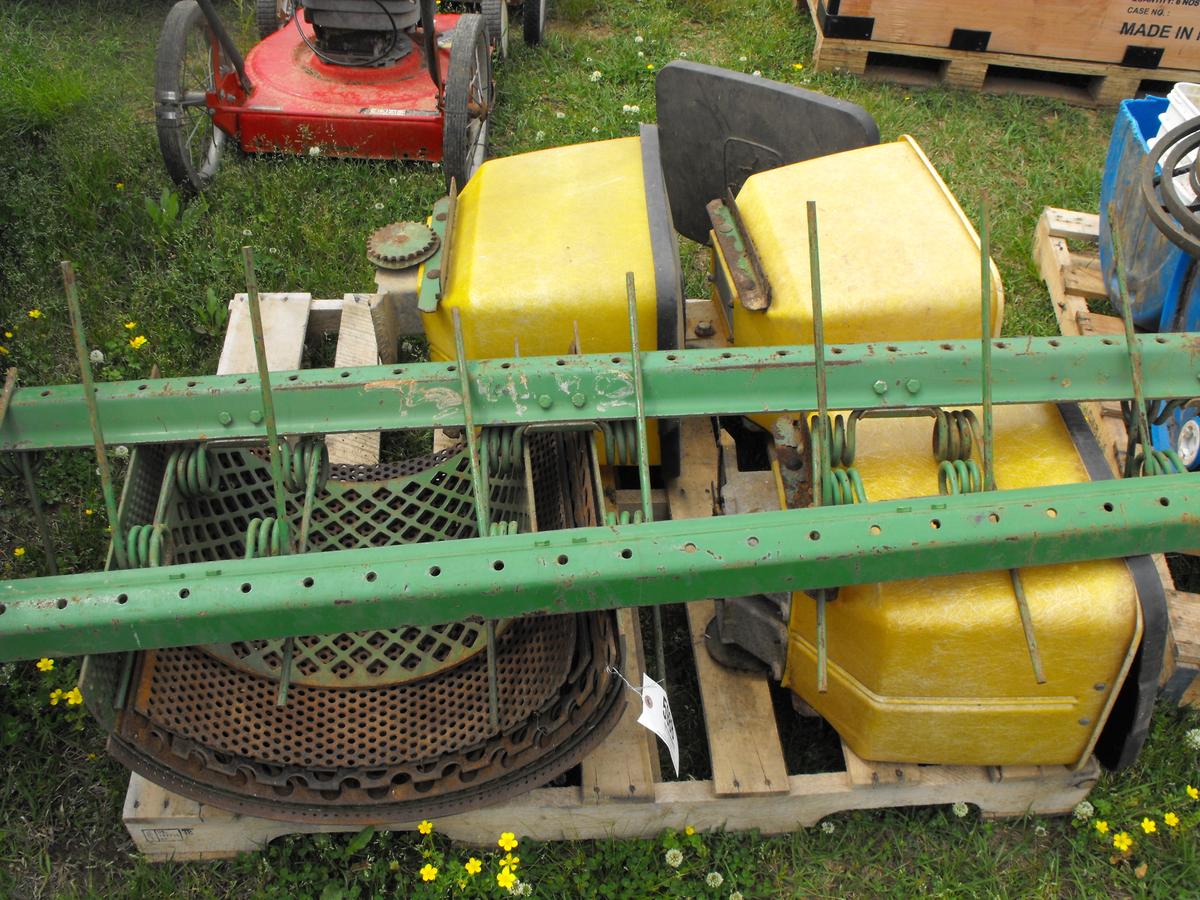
622, 791
1074, 277
1075, 81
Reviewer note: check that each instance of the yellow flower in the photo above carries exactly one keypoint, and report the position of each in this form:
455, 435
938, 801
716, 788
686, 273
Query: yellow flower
73, 697
129, 326
1122, 841
138, 342
1149, 826
649, 67
4, 350
506, 879
508, 841
510, 862
35, 314
428, 872
474, 866
394, 866
120, 185
55, 696
45, 664
19, 552
1171, 819
8, 334
689, 831
797, 66
426, 827
87, 512
1102, 826
1193, 793
91, 757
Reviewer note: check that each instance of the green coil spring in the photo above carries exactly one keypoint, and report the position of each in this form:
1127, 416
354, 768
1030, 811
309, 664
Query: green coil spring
1159, 462
841, 483
500, 529
502, 449
620, 442
296, 464
10, 463
954, 437
194, 476
625, 518
1154, 462
266, 536
145, 546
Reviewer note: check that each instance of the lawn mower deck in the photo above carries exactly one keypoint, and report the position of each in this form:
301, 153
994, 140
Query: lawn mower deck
298, 102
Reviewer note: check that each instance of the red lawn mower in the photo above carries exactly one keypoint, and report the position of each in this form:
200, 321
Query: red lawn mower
349, 78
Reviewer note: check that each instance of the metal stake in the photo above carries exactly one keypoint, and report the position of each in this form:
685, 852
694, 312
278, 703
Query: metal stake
821, 454
89, 396
985, 279
1135, 353
635, 345
264, 380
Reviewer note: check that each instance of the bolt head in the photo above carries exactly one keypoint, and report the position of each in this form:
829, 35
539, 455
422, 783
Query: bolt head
880, 387
704, 328
256, 417
912, 385
578, 400
545, 401
224, 418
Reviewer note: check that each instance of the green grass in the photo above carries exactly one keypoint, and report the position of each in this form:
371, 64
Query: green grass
78, 163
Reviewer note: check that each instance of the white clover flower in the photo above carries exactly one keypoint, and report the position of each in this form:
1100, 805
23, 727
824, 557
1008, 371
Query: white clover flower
392, 180
1039, 830
272, 250
560, 115
587, 59
641, 55
638, 39
630, 109
741, 59
959, 809
524, 889
596, 76
756, 74
1084, 811
714, 879
379, 206
683, 55
120, 451
246, 232
674, 857
735, 895
1192, 738
595, 130
828, 827
541, 135
97, 357
314, 150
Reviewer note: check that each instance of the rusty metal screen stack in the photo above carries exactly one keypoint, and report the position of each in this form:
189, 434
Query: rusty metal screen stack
373, 726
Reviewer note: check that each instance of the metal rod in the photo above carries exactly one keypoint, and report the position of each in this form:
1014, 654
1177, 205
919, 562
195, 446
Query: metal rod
639, 389
39, 514
482, 516
268, 401
821, 446
10, 384
285, 672
228, 47
1035, 656
985, 346
1135, 354
310, 494
89, 395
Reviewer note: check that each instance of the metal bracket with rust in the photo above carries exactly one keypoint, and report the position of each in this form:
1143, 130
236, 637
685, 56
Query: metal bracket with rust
749, 281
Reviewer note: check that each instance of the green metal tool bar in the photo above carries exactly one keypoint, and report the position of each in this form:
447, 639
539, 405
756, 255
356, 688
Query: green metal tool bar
677, 384
595, 568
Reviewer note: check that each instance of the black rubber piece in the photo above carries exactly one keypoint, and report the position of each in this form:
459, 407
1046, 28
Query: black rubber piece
170, 119
533, 15
495, 20
1124, 733
718, 128
731, 656
470, 63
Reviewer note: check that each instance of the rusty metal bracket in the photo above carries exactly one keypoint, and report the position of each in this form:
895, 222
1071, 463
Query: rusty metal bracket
737, 248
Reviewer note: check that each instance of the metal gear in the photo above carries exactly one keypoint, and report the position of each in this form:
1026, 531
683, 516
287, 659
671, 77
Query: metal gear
401, 244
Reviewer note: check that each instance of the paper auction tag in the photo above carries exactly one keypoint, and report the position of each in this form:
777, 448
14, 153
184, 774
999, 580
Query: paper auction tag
656, 715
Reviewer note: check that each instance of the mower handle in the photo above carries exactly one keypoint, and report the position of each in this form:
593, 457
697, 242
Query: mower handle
226, 42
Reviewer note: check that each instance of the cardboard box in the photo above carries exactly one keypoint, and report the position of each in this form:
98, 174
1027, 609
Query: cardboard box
1139, 33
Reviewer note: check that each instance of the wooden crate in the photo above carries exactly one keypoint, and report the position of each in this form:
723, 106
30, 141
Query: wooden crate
622, 791
1080, 81
1073, 277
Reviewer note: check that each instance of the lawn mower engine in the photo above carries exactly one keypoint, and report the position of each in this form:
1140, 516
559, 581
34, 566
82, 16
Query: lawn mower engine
361, 32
